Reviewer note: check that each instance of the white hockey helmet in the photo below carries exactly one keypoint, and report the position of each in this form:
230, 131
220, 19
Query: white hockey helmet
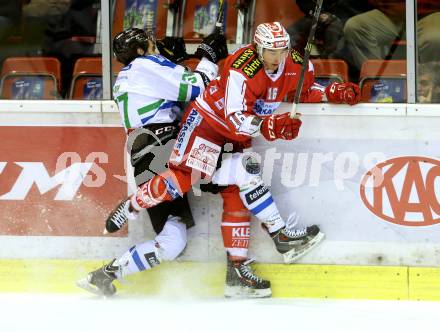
271, 35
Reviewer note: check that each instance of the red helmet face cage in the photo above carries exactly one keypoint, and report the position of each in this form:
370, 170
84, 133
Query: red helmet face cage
271, 36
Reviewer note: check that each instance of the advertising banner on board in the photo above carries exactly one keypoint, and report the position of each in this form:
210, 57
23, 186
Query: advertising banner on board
60, 181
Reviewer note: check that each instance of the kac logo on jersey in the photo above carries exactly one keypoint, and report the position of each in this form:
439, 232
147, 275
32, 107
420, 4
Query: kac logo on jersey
265, 108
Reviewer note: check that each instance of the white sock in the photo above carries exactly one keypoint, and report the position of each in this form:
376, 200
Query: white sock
258, 200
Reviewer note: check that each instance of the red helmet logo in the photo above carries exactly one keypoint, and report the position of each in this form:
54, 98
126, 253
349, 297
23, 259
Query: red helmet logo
275, 29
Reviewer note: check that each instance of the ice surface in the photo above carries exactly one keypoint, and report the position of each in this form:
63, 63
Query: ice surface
84, 313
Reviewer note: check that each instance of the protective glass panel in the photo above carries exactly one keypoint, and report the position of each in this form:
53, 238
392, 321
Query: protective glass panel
368, 36
428, 46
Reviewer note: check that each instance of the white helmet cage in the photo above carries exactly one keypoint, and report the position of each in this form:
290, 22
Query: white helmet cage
271, 36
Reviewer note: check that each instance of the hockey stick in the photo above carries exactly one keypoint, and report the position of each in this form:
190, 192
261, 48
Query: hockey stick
305, 66
220, 16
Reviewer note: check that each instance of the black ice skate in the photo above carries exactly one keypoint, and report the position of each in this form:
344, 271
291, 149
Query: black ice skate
241, 282
295, 243
119, 217
100, 281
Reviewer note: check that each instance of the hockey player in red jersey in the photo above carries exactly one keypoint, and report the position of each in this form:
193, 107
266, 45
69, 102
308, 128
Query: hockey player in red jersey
234, 108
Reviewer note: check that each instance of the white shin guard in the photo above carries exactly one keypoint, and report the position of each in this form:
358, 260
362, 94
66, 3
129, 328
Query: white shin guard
167, 245
244, 171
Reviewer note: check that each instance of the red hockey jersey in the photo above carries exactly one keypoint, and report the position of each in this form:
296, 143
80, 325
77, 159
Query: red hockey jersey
245, 86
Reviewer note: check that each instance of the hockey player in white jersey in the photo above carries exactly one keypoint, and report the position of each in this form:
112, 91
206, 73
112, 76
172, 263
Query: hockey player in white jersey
149, 91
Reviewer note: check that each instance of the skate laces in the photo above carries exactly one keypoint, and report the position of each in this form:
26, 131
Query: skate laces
247, 272
290, 230
119, 217
114, 271
122, 214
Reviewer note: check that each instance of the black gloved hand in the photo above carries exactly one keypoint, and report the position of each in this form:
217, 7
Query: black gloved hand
213, 47
172, 48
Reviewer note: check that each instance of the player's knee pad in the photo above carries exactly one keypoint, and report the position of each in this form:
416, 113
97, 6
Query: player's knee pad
239, 169
172, 240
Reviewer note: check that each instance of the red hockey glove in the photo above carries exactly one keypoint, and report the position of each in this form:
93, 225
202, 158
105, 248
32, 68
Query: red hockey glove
280, 126
338, 93
312, 96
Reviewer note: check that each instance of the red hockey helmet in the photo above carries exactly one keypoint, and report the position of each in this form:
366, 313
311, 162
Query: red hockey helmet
271, 36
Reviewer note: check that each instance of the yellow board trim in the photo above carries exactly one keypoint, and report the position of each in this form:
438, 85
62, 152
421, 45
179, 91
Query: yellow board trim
207, 280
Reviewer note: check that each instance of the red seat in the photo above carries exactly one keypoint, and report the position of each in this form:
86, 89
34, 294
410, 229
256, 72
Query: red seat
330, 70
87, 78
383, 81
30, 78
84, 39
326, 71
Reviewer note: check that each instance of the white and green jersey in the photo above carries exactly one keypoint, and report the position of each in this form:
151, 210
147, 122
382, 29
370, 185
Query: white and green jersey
150, 88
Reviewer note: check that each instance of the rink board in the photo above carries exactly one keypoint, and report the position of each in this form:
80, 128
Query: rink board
201, 280
380, 243
58, 186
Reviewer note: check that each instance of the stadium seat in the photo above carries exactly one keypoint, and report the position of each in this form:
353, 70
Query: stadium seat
84, 39
330, 70
383, 81
30, 78
326, 72
87, 78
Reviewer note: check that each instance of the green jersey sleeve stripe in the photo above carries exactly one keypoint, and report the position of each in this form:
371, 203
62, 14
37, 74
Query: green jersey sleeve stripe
183, 92
124, 99
150, 107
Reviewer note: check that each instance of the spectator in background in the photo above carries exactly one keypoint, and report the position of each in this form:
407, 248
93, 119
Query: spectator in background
426, 77
370, 35
329, 34
80, 21
10, 15
436, 87
45, 9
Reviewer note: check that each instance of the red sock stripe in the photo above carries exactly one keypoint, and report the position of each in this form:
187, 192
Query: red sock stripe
236, 235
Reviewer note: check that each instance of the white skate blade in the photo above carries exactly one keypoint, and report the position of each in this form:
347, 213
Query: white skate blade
239, 292
86, 285
296, 253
